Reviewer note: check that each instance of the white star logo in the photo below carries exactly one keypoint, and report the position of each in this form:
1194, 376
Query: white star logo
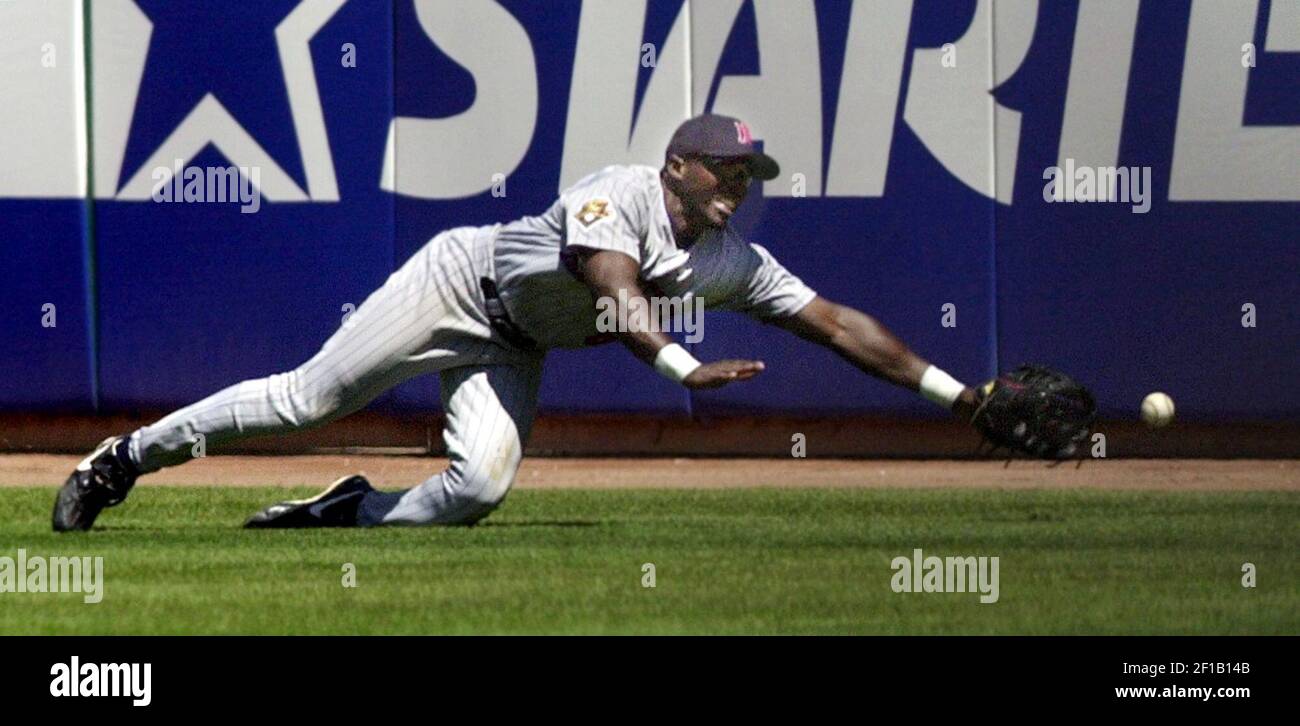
120, 64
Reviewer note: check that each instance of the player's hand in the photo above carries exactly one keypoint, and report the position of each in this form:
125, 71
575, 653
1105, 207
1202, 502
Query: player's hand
721, 372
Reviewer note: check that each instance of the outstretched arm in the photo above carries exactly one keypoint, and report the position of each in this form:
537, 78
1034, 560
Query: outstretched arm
867, 344
606, 273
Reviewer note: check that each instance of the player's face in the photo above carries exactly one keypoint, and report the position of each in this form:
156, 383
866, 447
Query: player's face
713, 189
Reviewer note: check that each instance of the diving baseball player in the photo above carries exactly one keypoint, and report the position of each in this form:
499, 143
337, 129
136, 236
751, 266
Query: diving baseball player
480, 306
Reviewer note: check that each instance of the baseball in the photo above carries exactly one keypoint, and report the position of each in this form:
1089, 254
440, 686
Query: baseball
1157, 410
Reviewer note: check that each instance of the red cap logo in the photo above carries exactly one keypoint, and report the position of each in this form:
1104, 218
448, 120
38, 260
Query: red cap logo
742, 133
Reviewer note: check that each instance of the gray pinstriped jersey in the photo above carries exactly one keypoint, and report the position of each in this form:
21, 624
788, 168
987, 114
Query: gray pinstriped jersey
621, 208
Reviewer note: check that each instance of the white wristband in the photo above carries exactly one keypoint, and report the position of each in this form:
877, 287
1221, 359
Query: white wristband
674, 363
940, 387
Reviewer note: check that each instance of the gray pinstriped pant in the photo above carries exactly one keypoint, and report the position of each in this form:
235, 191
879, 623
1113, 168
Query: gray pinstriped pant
428, 317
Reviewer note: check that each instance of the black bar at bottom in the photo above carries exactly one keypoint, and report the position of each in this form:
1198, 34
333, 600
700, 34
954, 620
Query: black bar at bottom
234, 675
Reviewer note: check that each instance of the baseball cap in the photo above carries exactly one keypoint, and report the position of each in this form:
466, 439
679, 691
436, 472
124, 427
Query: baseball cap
722, 137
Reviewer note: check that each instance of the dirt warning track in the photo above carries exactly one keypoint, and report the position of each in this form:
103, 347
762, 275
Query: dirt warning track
667, 473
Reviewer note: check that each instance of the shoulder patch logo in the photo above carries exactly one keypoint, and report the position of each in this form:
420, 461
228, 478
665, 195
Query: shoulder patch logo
593, 211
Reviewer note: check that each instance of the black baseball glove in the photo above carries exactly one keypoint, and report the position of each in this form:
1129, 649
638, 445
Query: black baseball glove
1037, 411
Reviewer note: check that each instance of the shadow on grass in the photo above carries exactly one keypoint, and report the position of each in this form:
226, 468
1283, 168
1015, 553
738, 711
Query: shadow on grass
210, 526
543, 523
102, 528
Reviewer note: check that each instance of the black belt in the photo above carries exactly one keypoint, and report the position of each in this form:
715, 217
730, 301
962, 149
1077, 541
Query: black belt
500, 319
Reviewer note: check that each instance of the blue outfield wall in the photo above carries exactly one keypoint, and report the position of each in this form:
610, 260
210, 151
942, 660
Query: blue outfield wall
907, 191
47, 365
1133, 303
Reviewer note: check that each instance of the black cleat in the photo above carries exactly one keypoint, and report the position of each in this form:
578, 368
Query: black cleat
334, 507
100, 480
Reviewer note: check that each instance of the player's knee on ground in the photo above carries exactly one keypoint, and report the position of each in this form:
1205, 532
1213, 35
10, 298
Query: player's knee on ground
477, 489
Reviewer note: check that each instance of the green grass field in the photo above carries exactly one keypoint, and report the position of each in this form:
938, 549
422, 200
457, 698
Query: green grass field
726, 561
